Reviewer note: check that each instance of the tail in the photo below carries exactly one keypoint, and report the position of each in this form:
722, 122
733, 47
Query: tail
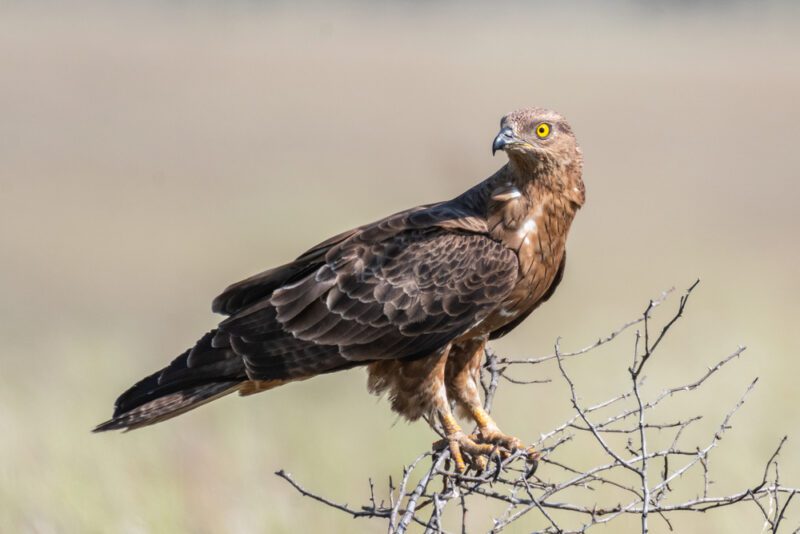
199, 375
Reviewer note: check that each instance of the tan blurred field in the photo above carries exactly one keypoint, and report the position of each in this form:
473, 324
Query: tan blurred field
151, 155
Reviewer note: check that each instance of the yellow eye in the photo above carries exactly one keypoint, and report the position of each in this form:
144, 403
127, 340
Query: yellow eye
543, 130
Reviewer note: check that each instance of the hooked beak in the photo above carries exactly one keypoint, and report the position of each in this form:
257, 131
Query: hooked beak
505, 138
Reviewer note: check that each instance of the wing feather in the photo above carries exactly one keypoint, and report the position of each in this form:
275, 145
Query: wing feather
451, 215
400, 297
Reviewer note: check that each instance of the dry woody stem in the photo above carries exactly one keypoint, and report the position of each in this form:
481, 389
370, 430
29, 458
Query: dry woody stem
641, 476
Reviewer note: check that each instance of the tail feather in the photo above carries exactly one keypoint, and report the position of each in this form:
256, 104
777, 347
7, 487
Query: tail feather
201, 374
168, 406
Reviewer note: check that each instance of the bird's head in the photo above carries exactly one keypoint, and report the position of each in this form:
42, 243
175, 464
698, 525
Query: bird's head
540, 142
536, 135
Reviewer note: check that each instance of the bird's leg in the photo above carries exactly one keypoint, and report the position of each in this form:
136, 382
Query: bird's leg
463, 374
455, 438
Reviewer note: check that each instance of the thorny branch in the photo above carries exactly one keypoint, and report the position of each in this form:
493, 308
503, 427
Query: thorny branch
640, 478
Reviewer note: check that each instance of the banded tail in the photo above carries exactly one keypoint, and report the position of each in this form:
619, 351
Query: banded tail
199, 375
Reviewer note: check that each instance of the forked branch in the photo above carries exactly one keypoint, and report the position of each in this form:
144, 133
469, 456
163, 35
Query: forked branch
637, 478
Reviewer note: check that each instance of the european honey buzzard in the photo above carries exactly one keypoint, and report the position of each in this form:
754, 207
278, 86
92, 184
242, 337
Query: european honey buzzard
414, 297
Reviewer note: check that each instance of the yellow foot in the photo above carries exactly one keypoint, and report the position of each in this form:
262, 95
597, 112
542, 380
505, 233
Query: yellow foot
461, 445
476, 450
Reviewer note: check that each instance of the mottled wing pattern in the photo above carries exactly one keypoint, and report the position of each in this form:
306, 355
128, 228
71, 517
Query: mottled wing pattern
379, 294
446, 215
241, 294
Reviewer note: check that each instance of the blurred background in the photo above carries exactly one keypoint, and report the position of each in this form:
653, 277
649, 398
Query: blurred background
151, 154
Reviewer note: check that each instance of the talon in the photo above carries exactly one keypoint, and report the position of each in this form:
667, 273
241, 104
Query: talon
498, 466
532, 459
439, 445
447, 466
532, 469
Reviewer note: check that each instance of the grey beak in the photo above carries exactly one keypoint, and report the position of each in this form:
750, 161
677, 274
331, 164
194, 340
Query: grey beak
505, 137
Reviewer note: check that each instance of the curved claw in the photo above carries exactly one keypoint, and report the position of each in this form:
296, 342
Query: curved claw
532, 460
507, 445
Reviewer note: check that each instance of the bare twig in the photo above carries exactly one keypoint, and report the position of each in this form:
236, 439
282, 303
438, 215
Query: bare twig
629, 486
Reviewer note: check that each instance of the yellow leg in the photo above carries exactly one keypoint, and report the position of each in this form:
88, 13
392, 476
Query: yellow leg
462, 376
454, 378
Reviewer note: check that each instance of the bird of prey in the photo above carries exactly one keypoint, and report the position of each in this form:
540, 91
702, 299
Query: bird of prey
414, 297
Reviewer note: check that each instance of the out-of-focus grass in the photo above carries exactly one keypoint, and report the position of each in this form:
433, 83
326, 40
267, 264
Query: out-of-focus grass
151, 155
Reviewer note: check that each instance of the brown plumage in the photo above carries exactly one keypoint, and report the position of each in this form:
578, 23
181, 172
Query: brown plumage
414, 296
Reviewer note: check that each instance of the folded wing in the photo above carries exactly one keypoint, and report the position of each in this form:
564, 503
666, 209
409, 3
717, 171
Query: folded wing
374, 296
